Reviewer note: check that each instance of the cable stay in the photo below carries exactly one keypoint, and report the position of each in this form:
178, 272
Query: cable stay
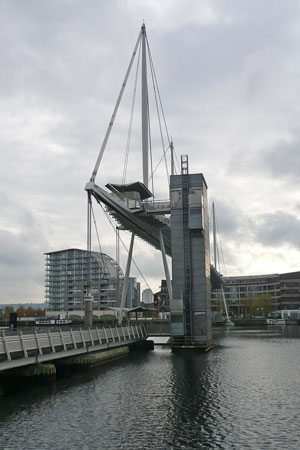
143, 53
129, 204
131, 118
125, 247
216, 239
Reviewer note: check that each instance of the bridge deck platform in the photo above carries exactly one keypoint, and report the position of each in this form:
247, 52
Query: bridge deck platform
19, 349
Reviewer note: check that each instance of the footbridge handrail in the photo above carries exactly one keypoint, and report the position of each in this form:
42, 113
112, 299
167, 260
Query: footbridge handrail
20, 348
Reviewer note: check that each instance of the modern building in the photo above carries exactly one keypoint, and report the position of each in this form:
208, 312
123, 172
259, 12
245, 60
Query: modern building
162, 301
191, 298
147, 296
67, 280
133, 294
284, 289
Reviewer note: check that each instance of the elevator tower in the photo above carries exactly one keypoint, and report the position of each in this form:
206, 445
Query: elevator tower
191, 304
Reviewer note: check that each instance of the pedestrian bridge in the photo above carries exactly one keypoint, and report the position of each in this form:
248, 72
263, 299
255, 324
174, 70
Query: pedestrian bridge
18, 349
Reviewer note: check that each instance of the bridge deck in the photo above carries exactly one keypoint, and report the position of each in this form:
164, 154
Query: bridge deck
18, 349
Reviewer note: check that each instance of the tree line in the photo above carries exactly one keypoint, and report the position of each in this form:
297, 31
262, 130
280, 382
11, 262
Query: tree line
22, 312
259, 306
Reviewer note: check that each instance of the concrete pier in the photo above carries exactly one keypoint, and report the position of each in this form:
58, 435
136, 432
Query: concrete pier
92, 359
43, 371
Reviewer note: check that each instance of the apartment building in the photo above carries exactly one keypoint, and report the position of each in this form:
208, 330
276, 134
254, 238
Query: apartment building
67, 279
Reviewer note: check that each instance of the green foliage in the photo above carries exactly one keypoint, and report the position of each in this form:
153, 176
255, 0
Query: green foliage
259, 306
247, 302
262, 305
7, 311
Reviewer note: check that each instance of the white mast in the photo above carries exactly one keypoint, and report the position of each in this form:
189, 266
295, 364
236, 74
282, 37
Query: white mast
214, 236
145, 118
110, 125
172, 158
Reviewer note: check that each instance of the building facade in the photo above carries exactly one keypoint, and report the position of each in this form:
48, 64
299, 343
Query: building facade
162, 301
67, 280
191, 298
147, 296
284, 290
133, 293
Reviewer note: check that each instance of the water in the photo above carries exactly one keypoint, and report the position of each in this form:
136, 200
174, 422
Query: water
244, 394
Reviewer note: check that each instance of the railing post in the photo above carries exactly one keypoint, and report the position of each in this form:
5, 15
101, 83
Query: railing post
51, 341
82, 337
132, 331
105, 335
73, 339
6, 346
113, 338
123, 332
119, 337
137, 330
144, 329
62, 340
99, 338
23, 344
91, 337
38, 342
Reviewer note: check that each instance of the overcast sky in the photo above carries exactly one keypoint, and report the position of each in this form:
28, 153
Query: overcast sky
229, 78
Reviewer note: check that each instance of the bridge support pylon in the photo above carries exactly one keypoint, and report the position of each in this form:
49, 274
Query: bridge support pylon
190, 306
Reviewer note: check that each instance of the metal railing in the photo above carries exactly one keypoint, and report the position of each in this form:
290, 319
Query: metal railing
22, 348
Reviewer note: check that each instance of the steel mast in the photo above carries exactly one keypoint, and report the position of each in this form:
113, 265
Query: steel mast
214, 235
145, 112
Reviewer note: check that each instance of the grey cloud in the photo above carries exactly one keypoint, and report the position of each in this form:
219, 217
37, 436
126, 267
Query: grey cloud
231, 220
228, 81
276, 229
281, 161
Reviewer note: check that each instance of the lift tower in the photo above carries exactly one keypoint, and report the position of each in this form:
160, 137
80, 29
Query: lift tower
191, 303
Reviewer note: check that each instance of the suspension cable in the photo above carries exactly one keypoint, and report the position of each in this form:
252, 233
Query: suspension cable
124, 245
103, 146
156, 94
98, 239
151, 154
159, 97
165, 151
131, 117
222, 254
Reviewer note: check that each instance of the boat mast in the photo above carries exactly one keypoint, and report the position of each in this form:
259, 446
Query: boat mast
145, 118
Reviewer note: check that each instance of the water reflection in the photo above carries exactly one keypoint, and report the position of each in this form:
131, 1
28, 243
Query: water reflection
243, 394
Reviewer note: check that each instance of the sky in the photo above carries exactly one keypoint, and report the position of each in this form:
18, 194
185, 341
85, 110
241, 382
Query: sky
229, 77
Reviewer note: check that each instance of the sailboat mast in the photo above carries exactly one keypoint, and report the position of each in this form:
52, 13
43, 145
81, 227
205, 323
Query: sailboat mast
145, 118
214, 236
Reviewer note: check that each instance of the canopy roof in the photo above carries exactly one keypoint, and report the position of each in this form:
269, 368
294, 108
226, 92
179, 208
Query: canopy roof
131, 187
140, 309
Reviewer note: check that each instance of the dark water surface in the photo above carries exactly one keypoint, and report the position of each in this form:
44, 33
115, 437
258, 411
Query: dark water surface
244, 394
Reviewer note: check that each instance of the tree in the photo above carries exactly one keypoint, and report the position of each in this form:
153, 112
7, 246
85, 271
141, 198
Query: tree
7, 311
40, 312
21, 311
247, 303
29, 312
262, 305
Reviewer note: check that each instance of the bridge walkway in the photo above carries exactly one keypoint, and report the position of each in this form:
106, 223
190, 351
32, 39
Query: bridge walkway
18, 349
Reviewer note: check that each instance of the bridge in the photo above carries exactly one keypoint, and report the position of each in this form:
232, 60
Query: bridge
20, 349
177, 227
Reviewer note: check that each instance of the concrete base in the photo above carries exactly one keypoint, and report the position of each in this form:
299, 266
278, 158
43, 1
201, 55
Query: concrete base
204, 346
92, 359
142, 345
46, 371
